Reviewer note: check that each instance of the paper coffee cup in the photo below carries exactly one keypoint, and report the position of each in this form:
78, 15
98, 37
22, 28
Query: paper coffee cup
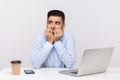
15, 65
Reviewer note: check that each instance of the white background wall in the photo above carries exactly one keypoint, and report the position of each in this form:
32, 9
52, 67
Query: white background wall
94, 23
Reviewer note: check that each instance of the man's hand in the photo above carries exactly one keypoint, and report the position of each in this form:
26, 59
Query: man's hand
49, 35
58, 33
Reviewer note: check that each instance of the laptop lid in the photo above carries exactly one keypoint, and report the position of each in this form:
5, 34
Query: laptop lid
93, 61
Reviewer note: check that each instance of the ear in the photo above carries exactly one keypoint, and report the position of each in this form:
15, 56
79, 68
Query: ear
64, 26
46, 24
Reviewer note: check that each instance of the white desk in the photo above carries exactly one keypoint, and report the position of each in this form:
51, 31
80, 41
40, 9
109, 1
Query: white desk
53, 74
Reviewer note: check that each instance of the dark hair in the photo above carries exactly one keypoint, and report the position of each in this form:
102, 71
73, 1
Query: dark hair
56, 13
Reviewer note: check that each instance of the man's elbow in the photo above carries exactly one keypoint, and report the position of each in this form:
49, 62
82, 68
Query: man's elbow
35, 66
70, 64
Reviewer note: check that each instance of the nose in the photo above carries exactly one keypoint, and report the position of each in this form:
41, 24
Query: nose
53, 26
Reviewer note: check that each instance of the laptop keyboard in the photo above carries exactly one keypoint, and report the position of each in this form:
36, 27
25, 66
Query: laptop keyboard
75, 72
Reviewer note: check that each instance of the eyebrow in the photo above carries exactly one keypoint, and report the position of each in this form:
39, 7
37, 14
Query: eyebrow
50, 21
57, 22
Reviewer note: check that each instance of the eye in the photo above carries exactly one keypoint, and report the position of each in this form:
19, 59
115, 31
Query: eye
57, 22
50, 22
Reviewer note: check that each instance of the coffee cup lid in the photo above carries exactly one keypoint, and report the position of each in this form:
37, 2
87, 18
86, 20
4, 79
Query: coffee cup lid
15, 61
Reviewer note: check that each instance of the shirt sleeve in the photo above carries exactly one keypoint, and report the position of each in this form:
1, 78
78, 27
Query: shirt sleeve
66, 52
40, 52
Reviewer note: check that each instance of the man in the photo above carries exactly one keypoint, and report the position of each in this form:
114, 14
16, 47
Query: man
55, 47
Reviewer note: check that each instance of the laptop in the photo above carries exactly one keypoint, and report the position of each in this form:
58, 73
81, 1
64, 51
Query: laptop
93, 61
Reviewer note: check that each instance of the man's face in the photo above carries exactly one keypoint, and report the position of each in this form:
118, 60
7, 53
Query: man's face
55, 22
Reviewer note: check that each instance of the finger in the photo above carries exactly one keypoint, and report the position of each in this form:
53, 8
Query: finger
51, 31
57, 28
48, 30
59, 31
55, 32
